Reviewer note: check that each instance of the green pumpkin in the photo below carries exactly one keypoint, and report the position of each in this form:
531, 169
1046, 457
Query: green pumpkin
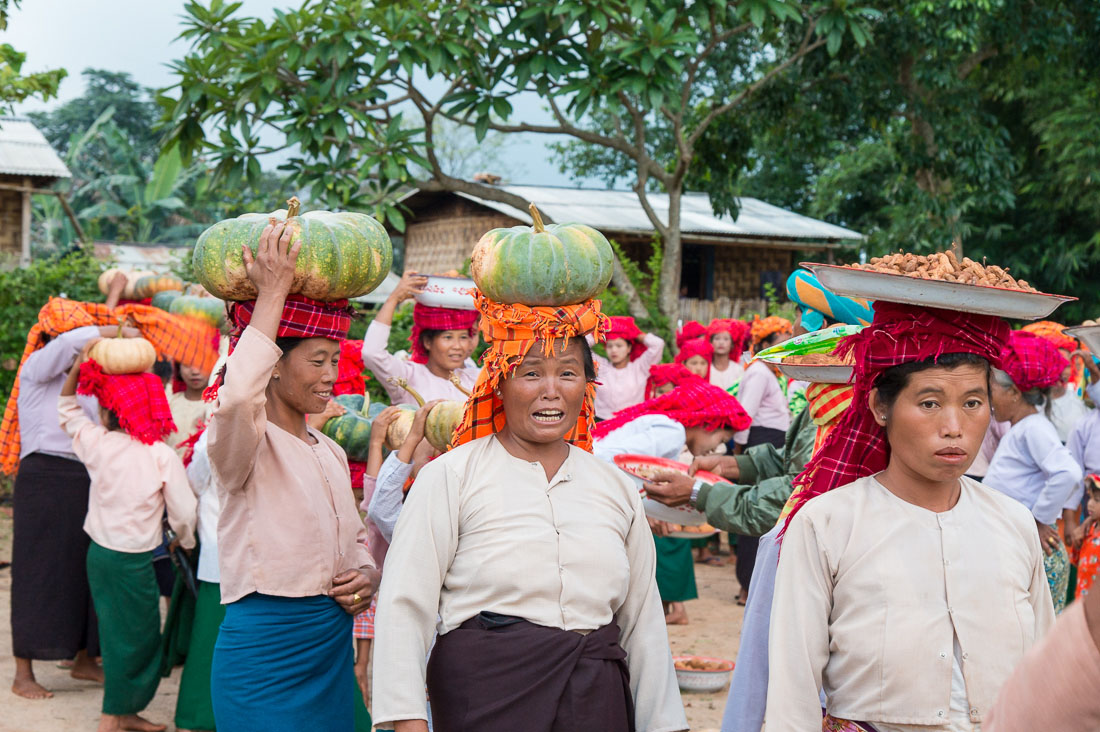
164, 298
560, 264
210, 310
150, 285
342, 255
440, 425
351, 430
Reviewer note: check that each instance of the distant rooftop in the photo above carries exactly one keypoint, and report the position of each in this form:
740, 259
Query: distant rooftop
25, 151
620, 211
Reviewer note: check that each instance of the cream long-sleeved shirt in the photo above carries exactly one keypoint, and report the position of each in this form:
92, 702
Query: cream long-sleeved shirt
133, 484
484, 530
872, 591
288, 522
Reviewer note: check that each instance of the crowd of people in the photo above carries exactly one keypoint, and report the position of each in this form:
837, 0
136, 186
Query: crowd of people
915, 547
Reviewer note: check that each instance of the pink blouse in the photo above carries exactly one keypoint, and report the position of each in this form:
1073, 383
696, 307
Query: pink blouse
385, 366
625, 387
289, 522
764, 400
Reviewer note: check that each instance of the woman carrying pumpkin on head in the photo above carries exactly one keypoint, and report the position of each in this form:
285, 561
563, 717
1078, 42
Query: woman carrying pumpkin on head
440, 342
293, 565
623, 374
531, 557
135, 480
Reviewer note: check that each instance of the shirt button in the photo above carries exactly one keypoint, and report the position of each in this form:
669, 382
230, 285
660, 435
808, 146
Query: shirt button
939, 713
966, 656
943, 655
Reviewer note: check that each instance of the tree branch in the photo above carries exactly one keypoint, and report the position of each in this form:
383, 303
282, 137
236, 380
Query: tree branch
975, 60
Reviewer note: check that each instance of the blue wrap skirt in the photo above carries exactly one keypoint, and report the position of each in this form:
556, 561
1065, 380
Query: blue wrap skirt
284, 664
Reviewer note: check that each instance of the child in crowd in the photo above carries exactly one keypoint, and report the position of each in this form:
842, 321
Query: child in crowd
728, 338
695, 356
623, 374
185, 401
135, 477
1087, 537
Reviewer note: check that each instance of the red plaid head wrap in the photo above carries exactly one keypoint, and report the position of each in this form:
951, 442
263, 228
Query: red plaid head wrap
694, 403
137, 399
349, 376
690, 330
667, 373
429, 318
899, 334
1032, 362
512, 330
740, 332
764, 327
695, 347
623, 326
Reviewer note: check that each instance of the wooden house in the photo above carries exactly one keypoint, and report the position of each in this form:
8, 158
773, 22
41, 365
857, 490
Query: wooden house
28, 166
726, 263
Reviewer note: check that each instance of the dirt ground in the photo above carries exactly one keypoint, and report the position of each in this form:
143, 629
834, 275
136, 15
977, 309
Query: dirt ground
713, 630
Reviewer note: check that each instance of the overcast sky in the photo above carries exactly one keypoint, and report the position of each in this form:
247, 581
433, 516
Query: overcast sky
138, 37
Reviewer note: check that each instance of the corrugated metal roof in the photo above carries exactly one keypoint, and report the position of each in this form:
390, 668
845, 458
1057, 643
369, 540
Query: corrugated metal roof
612, 211
25, 151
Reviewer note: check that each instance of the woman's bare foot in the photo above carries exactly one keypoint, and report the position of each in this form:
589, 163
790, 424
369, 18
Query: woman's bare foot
742, 597
139, 724
85, 668
677, 614
28, 688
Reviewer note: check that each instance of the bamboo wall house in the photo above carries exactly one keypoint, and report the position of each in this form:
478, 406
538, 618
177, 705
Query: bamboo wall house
726, 263
28, 166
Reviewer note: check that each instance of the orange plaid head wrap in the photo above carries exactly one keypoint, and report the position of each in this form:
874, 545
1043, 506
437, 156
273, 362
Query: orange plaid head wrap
177, 338
511, 331
1052, 332
764, 327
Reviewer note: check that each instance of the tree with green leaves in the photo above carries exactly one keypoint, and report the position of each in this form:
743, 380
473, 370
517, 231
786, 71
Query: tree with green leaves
332, 82
15, 86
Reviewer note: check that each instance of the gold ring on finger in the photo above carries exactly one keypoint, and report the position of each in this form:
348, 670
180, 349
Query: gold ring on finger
356, 599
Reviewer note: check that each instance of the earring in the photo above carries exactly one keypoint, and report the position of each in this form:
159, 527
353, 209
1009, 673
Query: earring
882, 417
275, 376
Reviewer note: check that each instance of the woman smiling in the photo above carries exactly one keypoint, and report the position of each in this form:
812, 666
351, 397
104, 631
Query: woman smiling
534, 556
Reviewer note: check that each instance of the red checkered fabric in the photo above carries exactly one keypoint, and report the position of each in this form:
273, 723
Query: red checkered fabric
137, 399
740, 332
899, 334
690, 330
302, 318
667, 373
693, 404
623, 326
350, 378
1032, 361
429, 318
363, 627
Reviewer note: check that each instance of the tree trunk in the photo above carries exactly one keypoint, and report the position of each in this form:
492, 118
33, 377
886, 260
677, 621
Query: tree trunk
672, 260
626, 288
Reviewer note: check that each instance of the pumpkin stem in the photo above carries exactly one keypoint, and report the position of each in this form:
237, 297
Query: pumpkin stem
366, 404
405, 385
537, 218
293, 206
458, 384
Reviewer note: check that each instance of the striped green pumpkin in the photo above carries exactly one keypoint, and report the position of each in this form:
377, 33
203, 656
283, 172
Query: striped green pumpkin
342, 255
164, 298
559, 264
210, 310
351, 430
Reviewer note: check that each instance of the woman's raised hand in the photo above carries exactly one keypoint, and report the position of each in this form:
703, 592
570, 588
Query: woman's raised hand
271, 270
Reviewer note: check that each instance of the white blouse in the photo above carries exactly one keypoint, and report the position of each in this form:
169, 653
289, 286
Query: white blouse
872, 593
484, 530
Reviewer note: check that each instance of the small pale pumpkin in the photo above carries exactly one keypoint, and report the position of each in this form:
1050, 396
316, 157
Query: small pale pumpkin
438, 427
342, 255
555, 265
124, 355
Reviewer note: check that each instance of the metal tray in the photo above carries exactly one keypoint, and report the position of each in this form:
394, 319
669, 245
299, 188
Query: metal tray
816, 374
1087, 334
997, 301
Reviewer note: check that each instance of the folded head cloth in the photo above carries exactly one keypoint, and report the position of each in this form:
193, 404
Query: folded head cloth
1053, 332
623, 326
138, 400
857, 446
511, 331
693, 404
695, 347
804, 289
764, 327
690, 330
826, 403
349, 376
667, 373
1032, 362
180, 339
429, 318
739, 331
